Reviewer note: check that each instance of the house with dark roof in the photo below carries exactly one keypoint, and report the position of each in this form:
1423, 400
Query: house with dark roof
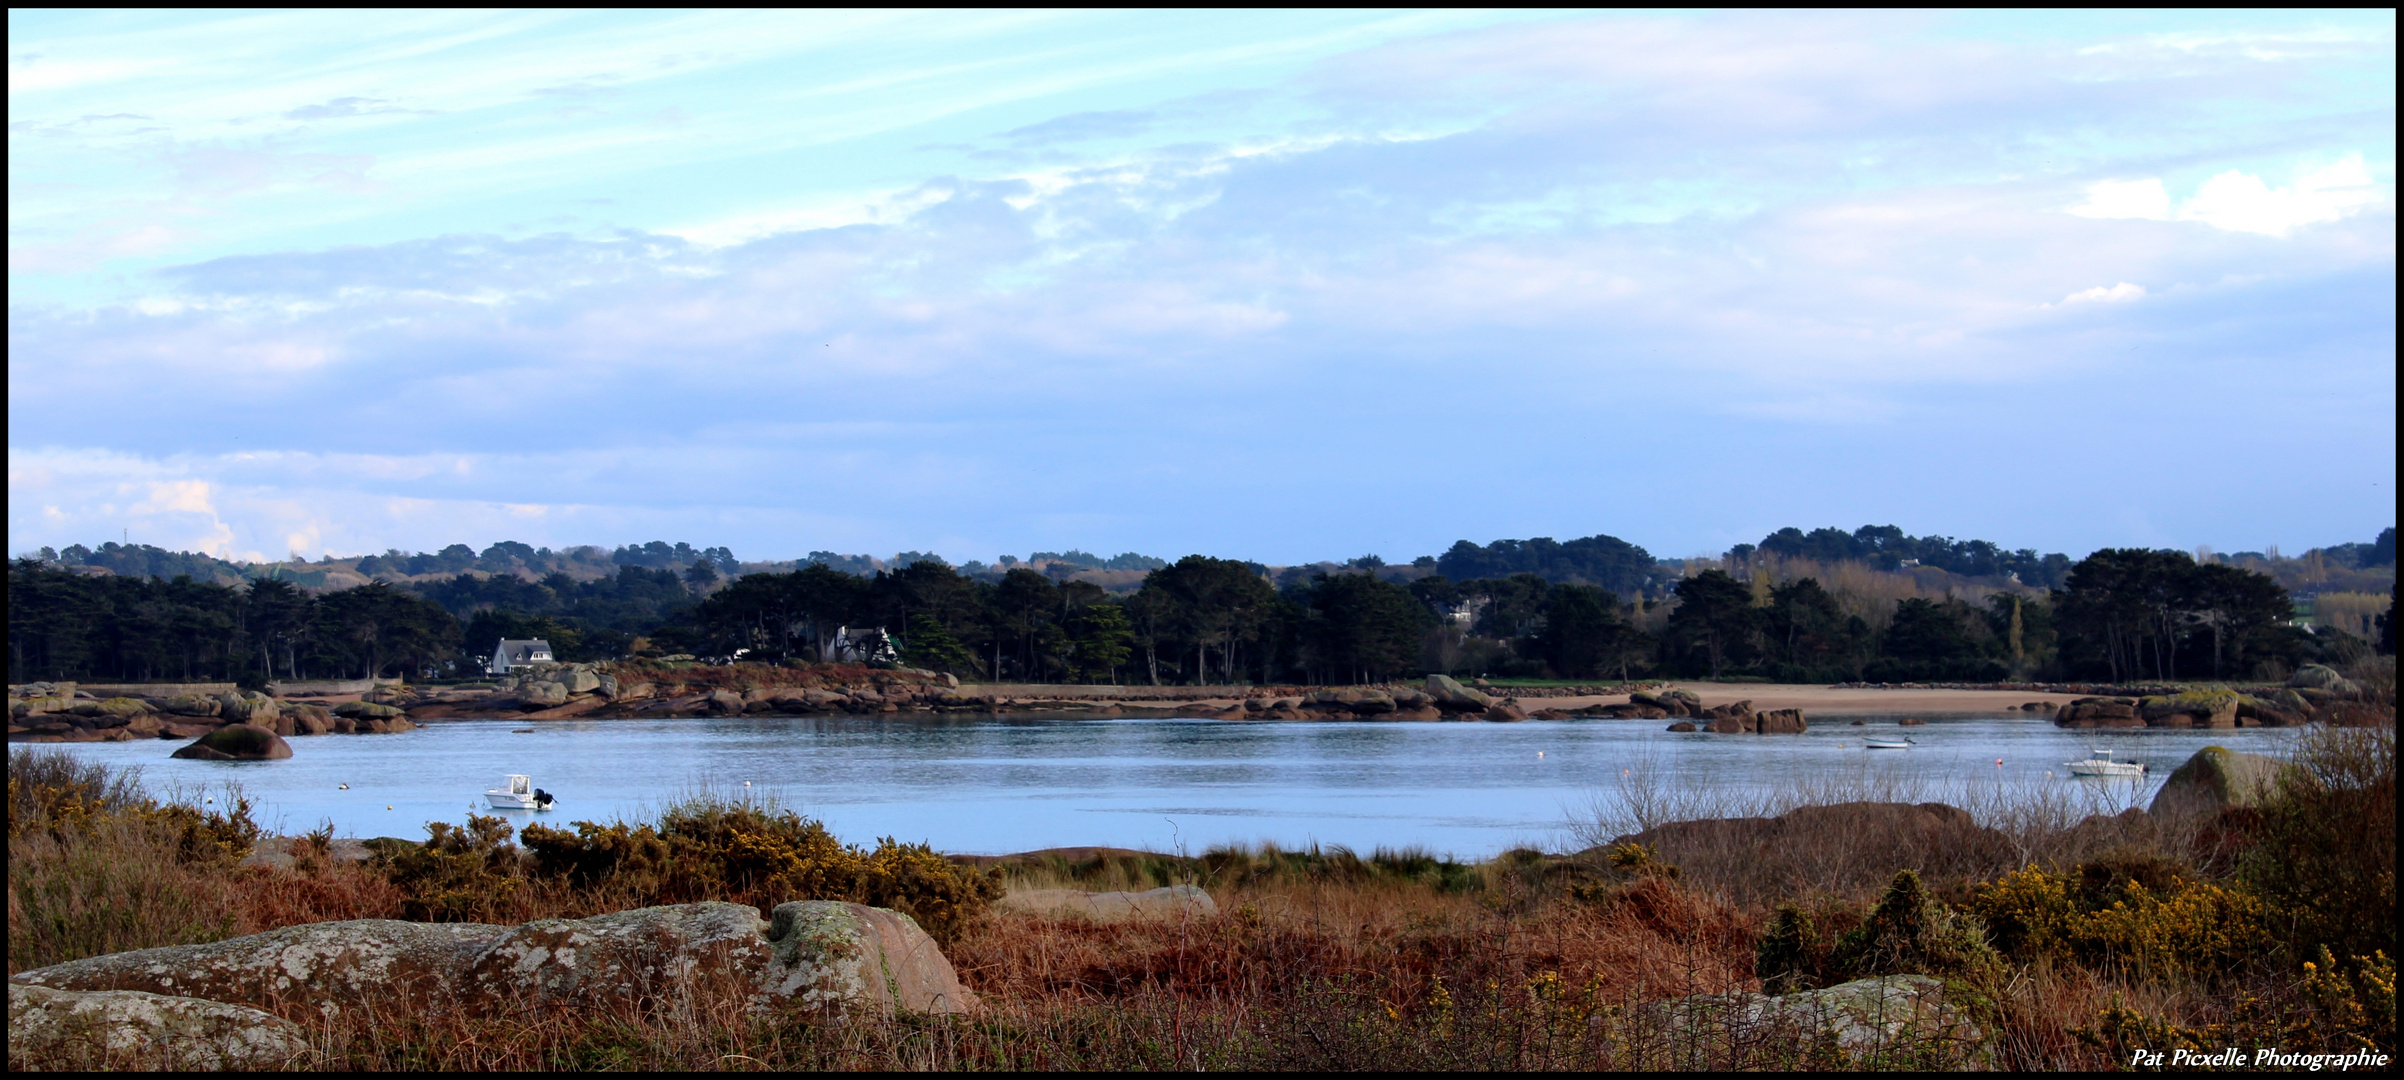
519, 652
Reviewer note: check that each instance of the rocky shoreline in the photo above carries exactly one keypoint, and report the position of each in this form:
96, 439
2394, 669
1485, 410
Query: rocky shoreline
2315, 694
63, 712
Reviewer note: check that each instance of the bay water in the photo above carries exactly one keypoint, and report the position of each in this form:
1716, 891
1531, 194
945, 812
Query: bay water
998, 784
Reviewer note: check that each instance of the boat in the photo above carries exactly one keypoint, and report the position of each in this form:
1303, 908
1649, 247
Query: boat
1904, 743
518, 793
2100, 763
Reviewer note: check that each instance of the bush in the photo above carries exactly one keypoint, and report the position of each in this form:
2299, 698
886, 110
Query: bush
2324, 855
704, 849
95, 866
2135, 912
1910, 932
457, 875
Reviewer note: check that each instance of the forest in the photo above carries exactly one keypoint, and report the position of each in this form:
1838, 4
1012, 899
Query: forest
1800, 607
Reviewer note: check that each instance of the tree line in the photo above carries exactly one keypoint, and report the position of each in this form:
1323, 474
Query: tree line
68, 625
2118, 615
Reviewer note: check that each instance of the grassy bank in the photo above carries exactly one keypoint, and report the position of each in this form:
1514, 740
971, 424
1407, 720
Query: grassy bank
2071, 936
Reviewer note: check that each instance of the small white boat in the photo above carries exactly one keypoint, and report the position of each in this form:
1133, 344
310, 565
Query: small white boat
2100, 763
1904, 743
518, 793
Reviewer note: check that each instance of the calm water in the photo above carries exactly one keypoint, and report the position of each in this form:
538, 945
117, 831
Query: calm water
1002, 784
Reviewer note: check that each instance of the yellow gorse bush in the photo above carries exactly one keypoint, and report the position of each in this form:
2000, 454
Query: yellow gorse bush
704, 850
2180, 928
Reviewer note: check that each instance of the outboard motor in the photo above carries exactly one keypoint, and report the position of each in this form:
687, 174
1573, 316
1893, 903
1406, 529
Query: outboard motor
542, 799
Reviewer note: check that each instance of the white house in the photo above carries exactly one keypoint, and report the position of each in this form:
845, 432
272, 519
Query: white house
859, 645
519, 653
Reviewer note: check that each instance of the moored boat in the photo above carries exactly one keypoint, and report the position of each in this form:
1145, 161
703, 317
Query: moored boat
1904, 743
2100, 763
518, 793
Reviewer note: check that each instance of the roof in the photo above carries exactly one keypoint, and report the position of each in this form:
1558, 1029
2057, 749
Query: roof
520, 648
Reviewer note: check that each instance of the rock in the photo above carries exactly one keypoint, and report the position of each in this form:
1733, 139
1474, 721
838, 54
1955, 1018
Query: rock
2273, 708
543, 693
822, 953
1911, 721
2099, 712
1633, 711
2322, 677
308, 720
1670, 702
725, 702
1506, 712
2215, 779
579, 681
52, 1030
1171, 902
1879, 839
1372, 703
608, 686
1426, 711
1891, 1020
191, 705
1729, 725
237, 742
844, 956
122, 708
1683, 725
1779, 722
47, 703
253, 708
367, 710
1451, 696
2194, 708
325, 965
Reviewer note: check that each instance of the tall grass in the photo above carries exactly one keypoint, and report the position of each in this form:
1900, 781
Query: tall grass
1324, 958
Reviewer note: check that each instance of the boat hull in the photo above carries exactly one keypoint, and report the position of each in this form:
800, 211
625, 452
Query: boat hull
2081, 768
504, 800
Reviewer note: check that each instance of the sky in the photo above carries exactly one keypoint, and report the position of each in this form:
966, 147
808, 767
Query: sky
1283, 286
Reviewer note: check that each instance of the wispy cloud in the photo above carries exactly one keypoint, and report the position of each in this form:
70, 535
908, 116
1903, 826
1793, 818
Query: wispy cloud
874, 279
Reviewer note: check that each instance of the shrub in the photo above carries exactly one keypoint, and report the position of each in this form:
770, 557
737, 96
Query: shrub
2139, 913
1909, 931
2324, 855
457, 875
704, 849
95, 866
2337, 1011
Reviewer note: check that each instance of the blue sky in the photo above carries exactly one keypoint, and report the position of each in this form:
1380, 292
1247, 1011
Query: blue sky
1281, 286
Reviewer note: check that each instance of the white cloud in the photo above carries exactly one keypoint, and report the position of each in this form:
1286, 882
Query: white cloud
2126, 199
2117, 294
2241, 202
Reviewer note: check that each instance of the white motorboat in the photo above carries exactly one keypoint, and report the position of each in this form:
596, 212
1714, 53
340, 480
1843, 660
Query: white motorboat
2100, 763
1904, 743
518, 793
